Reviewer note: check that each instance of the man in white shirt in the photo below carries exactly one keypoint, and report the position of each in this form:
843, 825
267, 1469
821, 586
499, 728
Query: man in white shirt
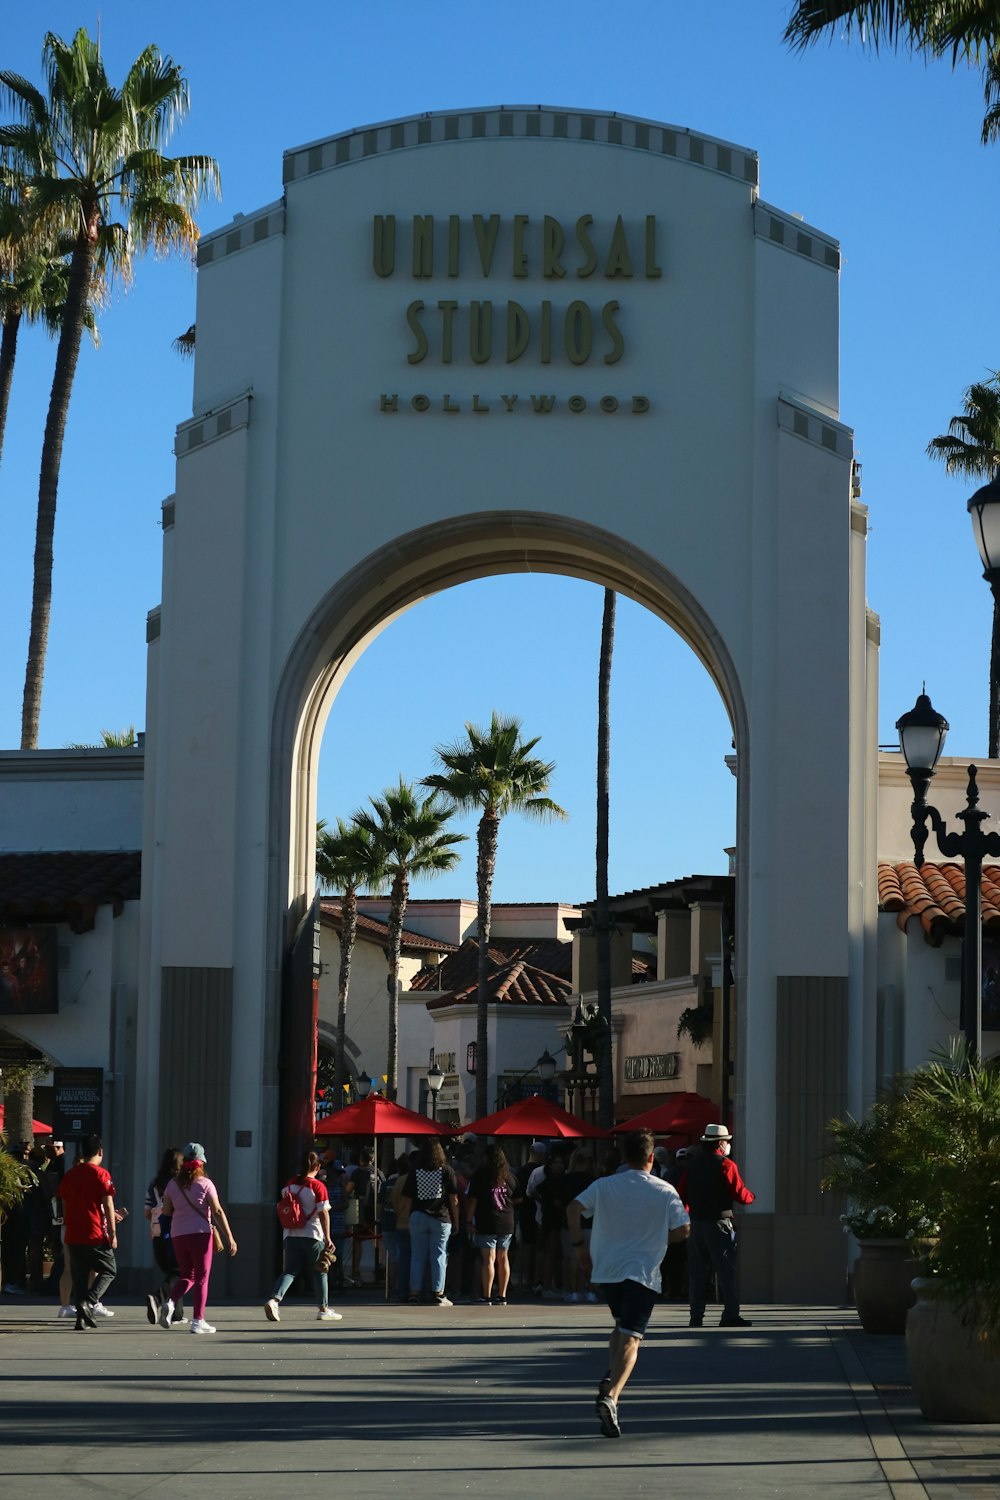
635, 1217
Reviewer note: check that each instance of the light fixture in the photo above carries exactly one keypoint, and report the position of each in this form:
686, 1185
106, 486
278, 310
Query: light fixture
435, 1078
922, 733
984, 512
364, 1085
546, 1066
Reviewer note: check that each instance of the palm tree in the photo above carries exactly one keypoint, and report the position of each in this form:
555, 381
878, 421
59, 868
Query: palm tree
971, 447
602, 912
346, 860
33, 283
85, 152
111, 739
409, 834
493, 772
968, 30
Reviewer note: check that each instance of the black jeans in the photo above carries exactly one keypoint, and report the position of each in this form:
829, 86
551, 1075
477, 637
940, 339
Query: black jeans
86, 1258
712, 1245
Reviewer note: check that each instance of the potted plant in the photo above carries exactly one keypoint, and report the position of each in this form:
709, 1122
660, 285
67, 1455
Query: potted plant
953, 1332
877, 1165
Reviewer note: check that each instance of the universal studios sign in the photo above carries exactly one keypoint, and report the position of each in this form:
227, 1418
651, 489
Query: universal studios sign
526, 331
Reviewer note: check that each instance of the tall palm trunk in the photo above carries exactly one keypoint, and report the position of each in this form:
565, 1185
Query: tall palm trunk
8, 353
67, 353
487, 836
348, 932
19, 1109
602, 914
397, 909
994, 740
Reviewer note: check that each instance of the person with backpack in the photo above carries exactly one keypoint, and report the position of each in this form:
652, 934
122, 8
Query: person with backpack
490, 1202
304, 1215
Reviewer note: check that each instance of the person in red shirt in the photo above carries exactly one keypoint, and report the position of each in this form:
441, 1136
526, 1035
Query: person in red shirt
90, 1228
710, 1184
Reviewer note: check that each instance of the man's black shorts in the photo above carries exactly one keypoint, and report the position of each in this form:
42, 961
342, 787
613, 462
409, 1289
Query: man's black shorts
631, 1304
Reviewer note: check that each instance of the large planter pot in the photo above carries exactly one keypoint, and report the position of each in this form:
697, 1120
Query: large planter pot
954, 1370
883, 1272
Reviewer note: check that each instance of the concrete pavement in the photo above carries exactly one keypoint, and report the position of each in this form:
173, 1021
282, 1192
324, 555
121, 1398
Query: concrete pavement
428, 1404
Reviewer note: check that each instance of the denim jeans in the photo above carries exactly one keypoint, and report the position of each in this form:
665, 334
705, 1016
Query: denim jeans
712, 1246
428, 1242
402, 1263
300, 1252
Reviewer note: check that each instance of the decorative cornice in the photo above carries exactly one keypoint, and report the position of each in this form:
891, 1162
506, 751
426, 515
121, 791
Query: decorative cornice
245, 231
217, 423
153, 624
522, 122
792, 234
815, 427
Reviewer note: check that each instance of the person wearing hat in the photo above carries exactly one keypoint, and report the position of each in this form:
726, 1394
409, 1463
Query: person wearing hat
710, 1184
192, 1205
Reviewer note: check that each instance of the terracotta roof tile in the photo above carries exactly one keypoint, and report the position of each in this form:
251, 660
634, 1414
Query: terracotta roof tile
330, 908
462, 967
516, 983
936, 895
67, 885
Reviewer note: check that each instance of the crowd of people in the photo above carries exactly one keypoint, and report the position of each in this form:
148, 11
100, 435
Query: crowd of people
585, 1230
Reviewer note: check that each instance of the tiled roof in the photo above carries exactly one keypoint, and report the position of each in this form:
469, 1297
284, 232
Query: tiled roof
516, 983
330, 908
936, 894
462, 967
67, 886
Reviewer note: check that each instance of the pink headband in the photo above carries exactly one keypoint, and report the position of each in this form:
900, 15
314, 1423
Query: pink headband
195, 1161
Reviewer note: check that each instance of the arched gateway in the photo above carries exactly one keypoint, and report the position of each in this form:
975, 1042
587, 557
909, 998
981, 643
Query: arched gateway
496, 341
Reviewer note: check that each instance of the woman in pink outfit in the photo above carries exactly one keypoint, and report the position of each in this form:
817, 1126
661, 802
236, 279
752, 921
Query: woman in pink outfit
193, 1205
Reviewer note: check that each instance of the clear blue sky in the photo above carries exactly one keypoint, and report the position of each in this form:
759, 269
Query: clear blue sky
881, 152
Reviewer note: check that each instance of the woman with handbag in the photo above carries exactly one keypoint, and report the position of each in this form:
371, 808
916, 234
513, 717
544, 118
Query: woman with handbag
304, 1210
192, 1205
159, 1233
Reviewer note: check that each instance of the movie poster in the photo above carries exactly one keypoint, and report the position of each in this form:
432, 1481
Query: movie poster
28, 964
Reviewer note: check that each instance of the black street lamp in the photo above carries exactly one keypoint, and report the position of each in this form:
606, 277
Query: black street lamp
984, 512
364, 1085
921, 737
435, 1078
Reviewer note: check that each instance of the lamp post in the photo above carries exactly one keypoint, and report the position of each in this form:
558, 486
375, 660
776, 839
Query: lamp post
364, 1085
545, 1066
921, 737
435, 1078
984, 512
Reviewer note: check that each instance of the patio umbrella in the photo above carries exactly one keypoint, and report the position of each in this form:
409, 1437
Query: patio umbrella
377, 1116
683, 1114
37, 1128
534, 1117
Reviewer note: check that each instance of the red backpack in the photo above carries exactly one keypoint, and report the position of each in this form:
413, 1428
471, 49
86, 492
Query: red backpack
291, 1214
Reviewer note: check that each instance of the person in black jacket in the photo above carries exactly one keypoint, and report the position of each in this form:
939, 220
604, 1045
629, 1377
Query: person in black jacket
710, 1185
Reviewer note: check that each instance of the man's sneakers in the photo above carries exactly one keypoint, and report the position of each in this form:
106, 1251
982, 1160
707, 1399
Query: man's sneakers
101, 1310
271, 1310
152, 1308
199, 1325
166, 1313
607, 1415
603, 1388
736, 1322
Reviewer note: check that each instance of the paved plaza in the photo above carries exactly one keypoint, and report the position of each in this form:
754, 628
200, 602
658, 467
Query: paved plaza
480, 1401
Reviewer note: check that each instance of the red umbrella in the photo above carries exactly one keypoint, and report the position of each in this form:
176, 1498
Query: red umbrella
37, 1128
534, 1117
682, 1114
377, 1115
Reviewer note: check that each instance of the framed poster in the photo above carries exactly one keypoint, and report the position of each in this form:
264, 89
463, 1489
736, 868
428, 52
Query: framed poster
28, 971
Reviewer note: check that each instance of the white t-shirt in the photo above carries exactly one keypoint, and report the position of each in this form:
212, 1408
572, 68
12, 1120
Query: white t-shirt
633, 1216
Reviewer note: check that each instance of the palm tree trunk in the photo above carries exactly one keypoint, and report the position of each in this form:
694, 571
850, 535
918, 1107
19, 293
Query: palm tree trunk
67, 353
8, 353
994, 740
486, 859
19, 1109
602, 915
348, 932
397, 909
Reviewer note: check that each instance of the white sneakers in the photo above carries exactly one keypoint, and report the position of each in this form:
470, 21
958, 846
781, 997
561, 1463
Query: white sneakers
327, 1315
199, 1325
66, 1312
271, 1309
100, 1311
166, 1313
443, 1302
